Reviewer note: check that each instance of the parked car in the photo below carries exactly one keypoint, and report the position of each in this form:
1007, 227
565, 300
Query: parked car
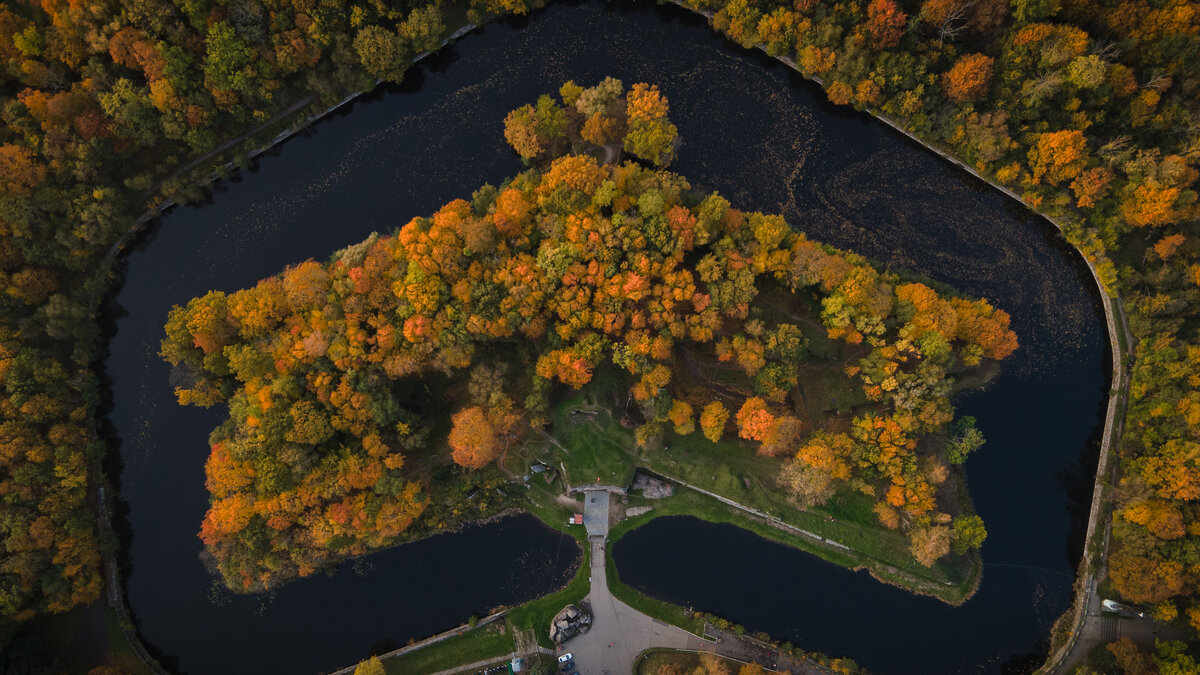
565, 657
567, 667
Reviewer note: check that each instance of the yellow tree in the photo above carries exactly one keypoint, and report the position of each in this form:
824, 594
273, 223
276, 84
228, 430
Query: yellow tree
681, 416
372, 666
712, 420
929, 543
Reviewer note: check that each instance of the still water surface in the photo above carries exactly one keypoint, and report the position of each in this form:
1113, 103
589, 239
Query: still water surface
765, 139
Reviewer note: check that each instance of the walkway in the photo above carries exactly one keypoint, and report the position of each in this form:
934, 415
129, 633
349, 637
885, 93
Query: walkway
620, 633
497, 664
595, 514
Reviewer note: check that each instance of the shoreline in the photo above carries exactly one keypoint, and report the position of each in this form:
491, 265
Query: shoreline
1111, 305
1090, 564
99, 485
913, 585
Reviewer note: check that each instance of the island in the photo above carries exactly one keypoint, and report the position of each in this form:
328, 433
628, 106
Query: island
1085, 112
591, 318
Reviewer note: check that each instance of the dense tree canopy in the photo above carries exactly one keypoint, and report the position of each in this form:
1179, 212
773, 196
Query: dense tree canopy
592, 264
1088, 111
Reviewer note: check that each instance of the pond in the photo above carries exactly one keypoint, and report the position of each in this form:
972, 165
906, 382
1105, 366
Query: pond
753, 130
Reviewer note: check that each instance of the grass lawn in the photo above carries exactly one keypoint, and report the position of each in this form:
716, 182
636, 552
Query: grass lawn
122, 653
734, 471
475, 645
690, 503
594, 445
454, 16
589, 443
826, 388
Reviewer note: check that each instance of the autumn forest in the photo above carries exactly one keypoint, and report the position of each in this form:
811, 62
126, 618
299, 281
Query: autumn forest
594, 259
583, 264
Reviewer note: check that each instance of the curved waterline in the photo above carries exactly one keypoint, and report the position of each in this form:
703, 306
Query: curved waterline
784, 151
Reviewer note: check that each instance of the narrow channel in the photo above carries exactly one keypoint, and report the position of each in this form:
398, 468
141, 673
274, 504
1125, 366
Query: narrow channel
755, 131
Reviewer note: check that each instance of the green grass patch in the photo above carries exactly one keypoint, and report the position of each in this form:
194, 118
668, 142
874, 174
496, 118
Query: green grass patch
475, 645
826, 388
454, 16
874, 549
654, 661
57, 631
121, 652
819, 343
594, 445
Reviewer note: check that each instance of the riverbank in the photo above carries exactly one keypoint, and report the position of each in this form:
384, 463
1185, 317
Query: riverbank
622, 618
729, 482
100, 486
485, 639
284, 160
1091, 567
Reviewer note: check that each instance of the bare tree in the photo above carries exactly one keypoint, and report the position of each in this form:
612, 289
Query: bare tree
1106, 50
955, 22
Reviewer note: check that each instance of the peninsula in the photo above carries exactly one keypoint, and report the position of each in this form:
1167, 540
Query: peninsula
593, 314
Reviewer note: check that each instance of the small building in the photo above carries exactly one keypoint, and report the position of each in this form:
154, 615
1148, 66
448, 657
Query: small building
517, 664
576, 519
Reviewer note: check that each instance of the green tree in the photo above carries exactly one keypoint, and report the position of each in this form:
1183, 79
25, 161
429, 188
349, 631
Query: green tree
227, 61
382, 53
423, 29
968, 533
1172, 658
1025, 11
964, 440
129, 106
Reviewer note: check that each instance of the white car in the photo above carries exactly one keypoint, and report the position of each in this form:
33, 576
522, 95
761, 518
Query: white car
565, 657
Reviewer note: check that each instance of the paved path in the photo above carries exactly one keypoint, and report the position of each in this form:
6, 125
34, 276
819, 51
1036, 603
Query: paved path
498, 664
628, 631
620, 633
595, 514
1100, 627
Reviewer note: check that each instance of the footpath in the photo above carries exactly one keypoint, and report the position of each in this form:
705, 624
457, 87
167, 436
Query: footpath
620, 633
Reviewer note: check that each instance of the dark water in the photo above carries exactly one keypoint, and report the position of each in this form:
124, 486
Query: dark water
766, 140
819, 606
